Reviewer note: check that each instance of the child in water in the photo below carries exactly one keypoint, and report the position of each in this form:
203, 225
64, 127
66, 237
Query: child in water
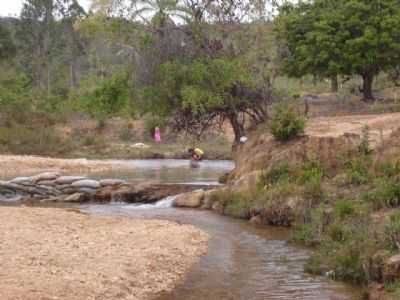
196, 153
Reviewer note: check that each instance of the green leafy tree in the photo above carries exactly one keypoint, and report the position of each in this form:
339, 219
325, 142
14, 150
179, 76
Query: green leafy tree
203, 94
108, 98
7, 46
350, 37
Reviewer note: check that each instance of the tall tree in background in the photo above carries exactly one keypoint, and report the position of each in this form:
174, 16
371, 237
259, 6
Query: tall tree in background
350, 37
71, 13
36, 34
7, 46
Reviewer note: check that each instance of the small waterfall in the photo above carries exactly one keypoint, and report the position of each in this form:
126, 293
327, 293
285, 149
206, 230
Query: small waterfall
164, 203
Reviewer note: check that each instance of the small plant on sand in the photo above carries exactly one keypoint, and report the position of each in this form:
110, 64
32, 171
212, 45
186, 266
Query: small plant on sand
286, 123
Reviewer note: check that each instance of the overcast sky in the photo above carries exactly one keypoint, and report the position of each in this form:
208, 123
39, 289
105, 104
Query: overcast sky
13, 7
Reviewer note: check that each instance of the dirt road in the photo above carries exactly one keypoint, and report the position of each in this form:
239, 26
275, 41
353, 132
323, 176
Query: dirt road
380, 126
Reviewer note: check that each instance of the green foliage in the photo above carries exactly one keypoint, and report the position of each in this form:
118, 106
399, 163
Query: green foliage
7, 47
359, 170
286, 124
277, 173
364, 148
344, 209
108, 99
308, 171
326, 38
310, 233
392, 233
233, 203
389, 169
386, 194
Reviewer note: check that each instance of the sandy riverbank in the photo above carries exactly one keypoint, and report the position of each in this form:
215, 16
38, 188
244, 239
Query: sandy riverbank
26, 164
56, 254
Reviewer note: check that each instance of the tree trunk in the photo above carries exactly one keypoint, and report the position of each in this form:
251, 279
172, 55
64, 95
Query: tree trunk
368, 80
238, 127
334, 84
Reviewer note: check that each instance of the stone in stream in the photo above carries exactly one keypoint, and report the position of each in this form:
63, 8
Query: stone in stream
67, 180
86, 183
46, 176
192, 200
112, 182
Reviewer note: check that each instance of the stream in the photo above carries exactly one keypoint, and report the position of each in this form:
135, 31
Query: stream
243, 261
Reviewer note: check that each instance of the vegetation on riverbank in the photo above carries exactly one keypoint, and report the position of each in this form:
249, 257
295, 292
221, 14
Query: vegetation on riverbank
349, 213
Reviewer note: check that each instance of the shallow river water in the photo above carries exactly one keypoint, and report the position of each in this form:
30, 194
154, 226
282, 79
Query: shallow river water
243, 262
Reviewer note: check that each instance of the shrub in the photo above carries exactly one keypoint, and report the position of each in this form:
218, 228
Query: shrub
364, 146
358, 170
389, 169
286, 124
277, 173
233, 203
310, 233
385, 195
344, 209
313, 189
392, 233
308, 171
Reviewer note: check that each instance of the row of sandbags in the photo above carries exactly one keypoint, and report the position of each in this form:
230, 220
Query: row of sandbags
54, 184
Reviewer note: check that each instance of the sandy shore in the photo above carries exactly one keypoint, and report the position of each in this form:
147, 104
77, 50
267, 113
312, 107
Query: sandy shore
18, 164
56, 254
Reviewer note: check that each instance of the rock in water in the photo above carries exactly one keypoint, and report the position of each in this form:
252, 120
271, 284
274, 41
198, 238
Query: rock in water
68, 179
46, 176
86, 183
191, 200
112, 182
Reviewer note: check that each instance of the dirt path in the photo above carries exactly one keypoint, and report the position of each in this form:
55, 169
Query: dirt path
380, 126
56, 254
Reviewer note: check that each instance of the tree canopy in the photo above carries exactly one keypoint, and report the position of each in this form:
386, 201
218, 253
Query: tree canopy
346, 37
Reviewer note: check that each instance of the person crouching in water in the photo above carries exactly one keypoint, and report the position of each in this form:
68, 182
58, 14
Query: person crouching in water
196, 156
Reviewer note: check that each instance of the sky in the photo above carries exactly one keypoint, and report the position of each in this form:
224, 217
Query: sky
13, 7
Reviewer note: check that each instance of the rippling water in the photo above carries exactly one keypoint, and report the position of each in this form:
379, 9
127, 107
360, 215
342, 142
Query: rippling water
243, 261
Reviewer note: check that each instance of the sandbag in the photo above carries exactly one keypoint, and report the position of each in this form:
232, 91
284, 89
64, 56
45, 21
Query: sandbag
68, 179
22, 180
46, 176
87, 183
112, 182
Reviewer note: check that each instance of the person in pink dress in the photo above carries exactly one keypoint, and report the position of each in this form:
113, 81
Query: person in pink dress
157, 135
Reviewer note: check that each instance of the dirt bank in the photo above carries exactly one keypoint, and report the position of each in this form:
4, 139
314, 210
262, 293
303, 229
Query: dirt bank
16, 164
56, 254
